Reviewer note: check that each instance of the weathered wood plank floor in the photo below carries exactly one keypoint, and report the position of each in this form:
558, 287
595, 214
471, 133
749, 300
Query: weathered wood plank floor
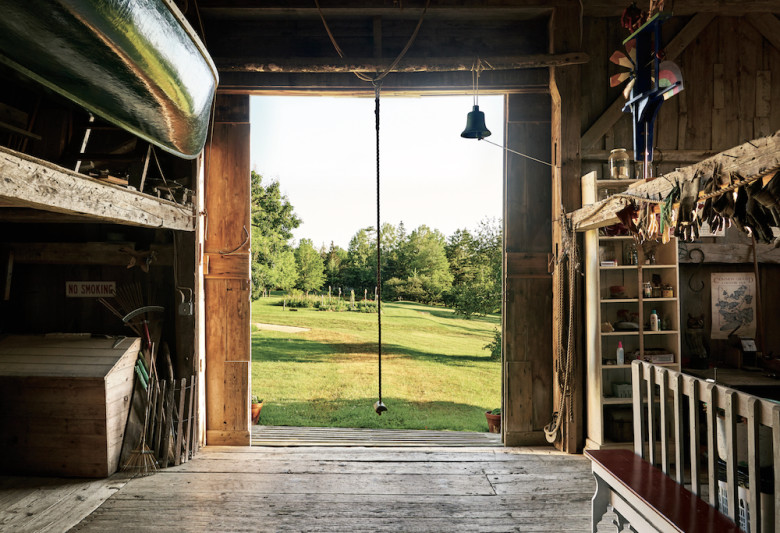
303, 436
350, 489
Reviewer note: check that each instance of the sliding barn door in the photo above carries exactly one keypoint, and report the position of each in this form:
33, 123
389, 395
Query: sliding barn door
227, 286
528, 371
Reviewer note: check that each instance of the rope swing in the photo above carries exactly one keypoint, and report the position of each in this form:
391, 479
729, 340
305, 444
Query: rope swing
379, 407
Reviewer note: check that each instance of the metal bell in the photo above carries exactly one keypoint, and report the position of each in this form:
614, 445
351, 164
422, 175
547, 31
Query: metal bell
380, 408
475, 125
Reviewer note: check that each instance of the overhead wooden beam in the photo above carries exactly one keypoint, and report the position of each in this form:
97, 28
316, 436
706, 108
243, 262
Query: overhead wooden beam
312, 65
305, 8
759, 157
31, 182
726, 8
84, 253
767, 25
673, 49
717, 253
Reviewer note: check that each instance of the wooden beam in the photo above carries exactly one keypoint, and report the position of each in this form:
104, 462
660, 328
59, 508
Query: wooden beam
39, 184
566, 195
767, 25
315, 65
717, 253
25, 215
759, 157
726, 8
304, 8
84, 253
675, 47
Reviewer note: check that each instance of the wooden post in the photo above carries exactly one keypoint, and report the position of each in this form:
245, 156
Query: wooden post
566, 195
227, 274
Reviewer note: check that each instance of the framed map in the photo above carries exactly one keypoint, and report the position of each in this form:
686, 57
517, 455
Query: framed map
733, 305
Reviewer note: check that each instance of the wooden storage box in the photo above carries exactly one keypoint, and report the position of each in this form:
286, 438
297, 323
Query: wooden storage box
64, 402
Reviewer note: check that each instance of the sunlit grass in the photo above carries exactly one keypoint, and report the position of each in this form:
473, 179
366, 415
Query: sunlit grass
436, 373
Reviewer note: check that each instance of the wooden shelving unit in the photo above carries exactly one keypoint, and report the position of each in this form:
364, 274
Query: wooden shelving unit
609, 416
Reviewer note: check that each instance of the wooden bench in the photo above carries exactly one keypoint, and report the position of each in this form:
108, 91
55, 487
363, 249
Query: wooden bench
648, 499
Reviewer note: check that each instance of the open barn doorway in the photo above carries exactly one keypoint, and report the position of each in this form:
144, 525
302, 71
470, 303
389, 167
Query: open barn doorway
314, 322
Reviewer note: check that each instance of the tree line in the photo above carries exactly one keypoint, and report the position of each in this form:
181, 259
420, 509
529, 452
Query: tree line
462, 271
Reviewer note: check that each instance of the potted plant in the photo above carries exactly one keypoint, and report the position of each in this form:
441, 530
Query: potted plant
257, 405
494, 420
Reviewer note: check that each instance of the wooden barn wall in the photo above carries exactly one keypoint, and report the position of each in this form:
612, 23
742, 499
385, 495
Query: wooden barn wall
731, 69
528, 287
730, 96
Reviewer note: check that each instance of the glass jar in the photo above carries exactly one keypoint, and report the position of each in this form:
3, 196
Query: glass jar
618, 164
667, 291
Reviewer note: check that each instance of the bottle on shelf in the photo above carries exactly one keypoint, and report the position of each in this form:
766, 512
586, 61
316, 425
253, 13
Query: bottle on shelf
654, 326
621, 354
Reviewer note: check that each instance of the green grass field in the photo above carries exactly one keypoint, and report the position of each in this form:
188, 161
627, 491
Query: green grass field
436, 373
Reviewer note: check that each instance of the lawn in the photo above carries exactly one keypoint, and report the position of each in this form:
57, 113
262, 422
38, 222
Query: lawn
436, 373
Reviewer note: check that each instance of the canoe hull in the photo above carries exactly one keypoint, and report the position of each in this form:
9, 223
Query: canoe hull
135, 63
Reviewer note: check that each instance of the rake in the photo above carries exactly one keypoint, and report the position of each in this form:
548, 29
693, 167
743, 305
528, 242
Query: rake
131, 310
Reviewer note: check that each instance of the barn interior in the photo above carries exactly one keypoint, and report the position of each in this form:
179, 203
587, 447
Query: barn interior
124, 208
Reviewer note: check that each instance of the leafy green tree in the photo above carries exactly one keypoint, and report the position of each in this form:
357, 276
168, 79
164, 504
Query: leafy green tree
476, 262
424, 252
311, 270
272, 221
335, 261
360, 272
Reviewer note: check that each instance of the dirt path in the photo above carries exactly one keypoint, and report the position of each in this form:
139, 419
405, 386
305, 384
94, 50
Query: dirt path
278, 327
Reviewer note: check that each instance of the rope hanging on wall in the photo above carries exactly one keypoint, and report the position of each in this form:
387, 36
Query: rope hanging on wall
567, 266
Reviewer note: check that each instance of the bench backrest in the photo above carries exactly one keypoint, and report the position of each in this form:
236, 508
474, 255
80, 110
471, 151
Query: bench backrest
675, 413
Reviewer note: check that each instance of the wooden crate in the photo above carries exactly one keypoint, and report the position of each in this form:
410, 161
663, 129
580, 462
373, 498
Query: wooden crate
64, 403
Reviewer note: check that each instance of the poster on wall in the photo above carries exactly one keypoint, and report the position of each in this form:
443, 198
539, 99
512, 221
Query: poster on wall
733, 305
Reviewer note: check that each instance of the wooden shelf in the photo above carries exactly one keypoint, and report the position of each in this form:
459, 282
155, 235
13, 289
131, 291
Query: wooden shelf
616, 238
599, 309
628, 366
611, 400
659, 267
619, 267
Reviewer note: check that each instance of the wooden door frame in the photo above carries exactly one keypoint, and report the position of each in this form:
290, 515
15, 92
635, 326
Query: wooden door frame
227, 415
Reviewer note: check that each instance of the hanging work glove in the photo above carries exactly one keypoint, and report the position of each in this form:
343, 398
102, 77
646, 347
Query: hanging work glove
686, 213
627, 215
758, 218
768, 196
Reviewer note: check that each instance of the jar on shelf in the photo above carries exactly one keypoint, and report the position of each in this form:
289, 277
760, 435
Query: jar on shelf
667, 291
618, 164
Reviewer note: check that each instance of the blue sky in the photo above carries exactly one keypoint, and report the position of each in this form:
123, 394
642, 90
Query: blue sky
322, 152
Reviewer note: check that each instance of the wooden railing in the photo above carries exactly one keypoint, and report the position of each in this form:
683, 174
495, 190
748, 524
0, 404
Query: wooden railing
685, 415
